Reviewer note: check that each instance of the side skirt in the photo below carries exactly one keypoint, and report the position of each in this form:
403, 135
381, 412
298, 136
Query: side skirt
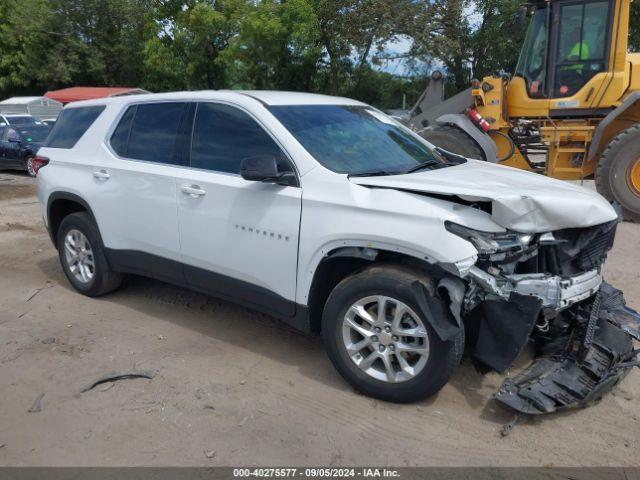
210, 283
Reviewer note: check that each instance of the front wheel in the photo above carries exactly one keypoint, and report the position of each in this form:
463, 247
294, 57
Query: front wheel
380, 341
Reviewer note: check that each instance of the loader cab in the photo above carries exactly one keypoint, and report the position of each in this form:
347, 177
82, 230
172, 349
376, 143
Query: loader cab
567, 44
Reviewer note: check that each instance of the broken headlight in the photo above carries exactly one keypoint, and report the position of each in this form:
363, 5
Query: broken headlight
488, 243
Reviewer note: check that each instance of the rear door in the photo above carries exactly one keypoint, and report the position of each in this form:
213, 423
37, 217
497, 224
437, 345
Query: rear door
239, 239
135, 188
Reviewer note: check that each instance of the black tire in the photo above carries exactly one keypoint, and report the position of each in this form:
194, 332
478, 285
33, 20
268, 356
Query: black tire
27, 165
614, 169
104, 279
396, 282
453, 140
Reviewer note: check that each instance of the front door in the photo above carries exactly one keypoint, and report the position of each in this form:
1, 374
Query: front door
239, 239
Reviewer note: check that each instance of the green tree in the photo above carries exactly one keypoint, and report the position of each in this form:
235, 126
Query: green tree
277, 47
45, 44
496, 41
185, 52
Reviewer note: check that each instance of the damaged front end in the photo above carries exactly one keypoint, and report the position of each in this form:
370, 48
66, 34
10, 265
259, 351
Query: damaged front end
548, 288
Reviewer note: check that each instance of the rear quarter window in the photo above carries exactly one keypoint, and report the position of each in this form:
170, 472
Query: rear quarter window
71, 125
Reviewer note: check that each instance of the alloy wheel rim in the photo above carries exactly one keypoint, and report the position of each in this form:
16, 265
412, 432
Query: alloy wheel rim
30, 169
385, 338
633, 177
79, 256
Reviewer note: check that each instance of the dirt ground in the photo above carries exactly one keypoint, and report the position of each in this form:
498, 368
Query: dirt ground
234, 387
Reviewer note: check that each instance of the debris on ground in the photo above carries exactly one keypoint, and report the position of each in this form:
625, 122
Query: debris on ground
36, 292
210, 454
36, 406
107, 386
507, 428
115, 376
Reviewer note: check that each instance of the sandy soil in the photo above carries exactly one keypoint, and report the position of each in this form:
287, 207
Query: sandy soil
233, 387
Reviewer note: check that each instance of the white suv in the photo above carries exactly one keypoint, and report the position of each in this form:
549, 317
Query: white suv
330, 215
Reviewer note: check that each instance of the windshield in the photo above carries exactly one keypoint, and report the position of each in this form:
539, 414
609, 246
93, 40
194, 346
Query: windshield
532, 65
22, 120
35, 134
355, 139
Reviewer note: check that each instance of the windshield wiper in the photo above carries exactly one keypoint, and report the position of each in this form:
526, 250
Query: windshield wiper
375, 173
427, 164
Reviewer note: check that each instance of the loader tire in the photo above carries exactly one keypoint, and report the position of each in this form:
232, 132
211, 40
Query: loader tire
453, 140
618, 172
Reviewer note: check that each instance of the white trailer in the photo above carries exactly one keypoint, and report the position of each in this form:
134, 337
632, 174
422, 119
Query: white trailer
41, 108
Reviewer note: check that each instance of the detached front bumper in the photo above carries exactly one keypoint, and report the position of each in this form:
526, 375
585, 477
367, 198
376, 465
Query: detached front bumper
582, 363
583, 329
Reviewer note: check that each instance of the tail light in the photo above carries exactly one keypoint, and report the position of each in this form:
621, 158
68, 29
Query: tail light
478, 119
38, 162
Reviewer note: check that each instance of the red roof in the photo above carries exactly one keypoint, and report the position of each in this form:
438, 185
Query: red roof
74, 94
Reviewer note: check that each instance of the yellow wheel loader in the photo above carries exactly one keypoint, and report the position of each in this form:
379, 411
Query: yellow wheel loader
571, 110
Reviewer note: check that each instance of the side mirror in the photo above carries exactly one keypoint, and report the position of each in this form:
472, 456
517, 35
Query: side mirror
264, 168
521, 17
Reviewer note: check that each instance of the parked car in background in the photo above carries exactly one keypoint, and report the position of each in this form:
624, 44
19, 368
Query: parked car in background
18, 119
19, 145
334, 217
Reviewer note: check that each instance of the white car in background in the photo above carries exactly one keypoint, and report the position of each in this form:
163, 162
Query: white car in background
17, 120
332, 216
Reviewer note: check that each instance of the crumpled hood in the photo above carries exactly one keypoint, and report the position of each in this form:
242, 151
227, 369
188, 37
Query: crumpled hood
521, 201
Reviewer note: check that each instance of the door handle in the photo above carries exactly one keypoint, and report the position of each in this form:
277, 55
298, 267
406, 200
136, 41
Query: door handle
193, 190
101, 175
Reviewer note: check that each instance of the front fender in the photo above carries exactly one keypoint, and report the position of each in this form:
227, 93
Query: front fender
306, 275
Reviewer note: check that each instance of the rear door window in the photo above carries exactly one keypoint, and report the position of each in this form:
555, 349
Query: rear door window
152, 132
224, 135
71, 125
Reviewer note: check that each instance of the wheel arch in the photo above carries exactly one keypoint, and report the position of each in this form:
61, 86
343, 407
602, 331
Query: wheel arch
464, 123
621, 118
59, 205
340, 262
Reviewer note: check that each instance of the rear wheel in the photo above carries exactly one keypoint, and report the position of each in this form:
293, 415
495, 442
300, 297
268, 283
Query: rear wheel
379, 340
82, 256
28, 166
618, 172
453, 140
